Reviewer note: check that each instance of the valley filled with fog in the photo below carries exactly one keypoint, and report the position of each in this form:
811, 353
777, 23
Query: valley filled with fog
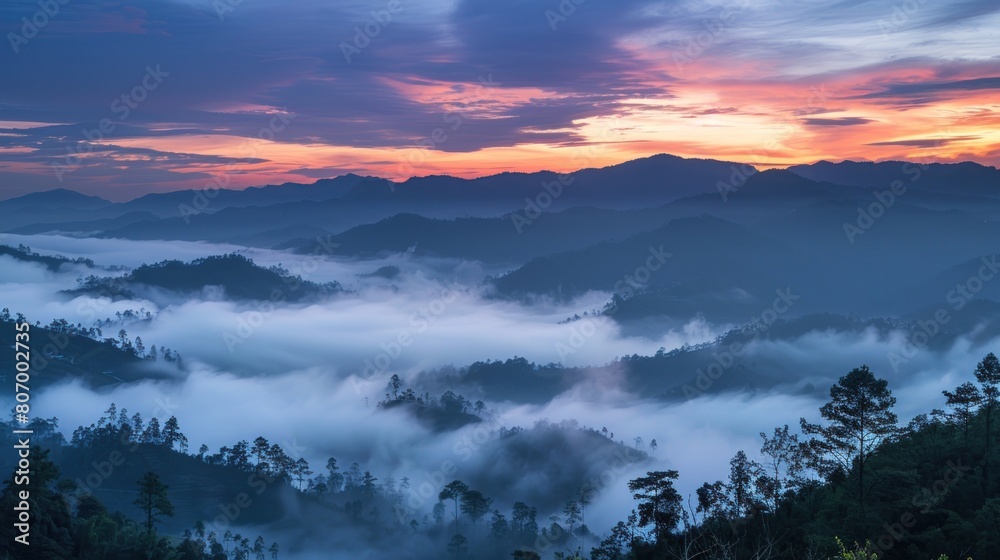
528, 354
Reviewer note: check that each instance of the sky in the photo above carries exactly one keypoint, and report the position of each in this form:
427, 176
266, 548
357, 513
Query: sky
119, 100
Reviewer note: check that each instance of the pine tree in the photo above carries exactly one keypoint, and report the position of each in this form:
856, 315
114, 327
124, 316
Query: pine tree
659, 502
965, 400
988, 375
783, 462
475, 505
394, 386
172, 435
302, 471
742, 474
260, 450
334, 478
454, 490
152, 500
573, 514
523, 523
860, 420
137, 427
153, 434
498, 526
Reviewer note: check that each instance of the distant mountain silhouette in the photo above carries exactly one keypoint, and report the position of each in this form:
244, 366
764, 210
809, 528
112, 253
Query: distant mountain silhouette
840, 234
86, 227
56, 198
698, 248
955, 178
174, 203
344, 202
488, 239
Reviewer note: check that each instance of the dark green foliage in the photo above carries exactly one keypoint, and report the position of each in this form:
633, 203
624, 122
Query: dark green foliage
454, 491
988, 374
94, 533
53, 263
235, 273
63, 350
153, 500
449, 412
51, 533
659, 502
915, 492
860, 420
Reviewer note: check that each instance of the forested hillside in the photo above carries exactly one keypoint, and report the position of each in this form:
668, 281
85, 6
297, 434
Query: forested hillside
858, 484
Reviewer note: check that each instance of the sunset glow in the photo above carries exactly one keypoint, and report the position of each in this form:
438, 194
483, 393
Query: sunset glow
475, 89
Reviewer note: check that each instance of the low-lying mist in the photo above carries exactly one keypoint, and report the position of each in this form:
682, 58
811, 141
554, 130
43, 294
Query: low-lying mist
309, 376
